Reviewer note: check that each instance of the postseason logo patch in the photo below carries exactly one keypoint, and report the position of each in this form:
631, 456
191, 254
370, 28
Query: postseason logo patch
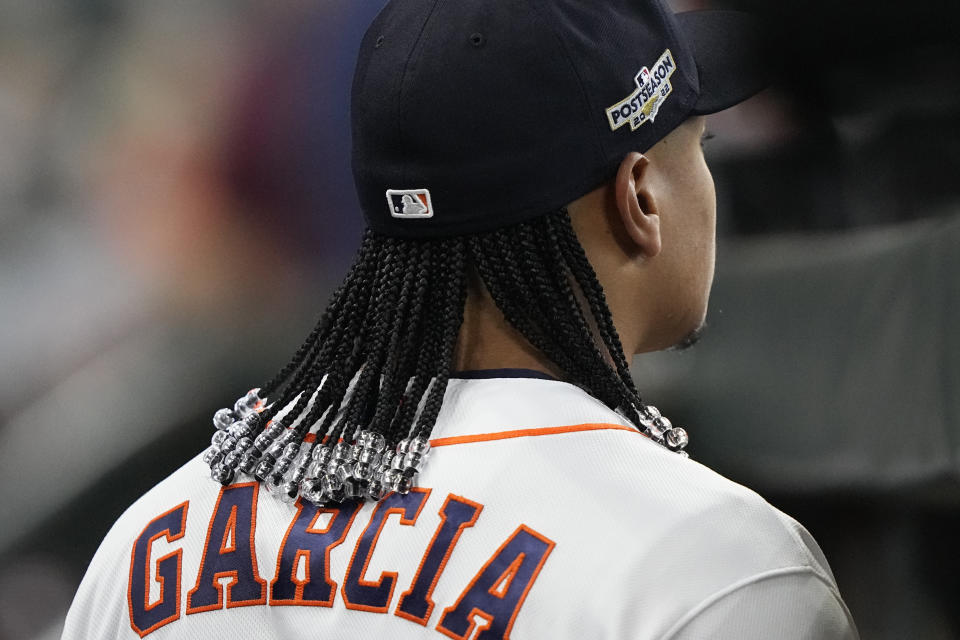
653, 87
410, 203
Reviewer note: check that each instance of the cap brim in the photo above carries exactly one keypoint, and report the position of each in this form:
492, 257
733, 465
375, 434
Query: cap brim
731, 58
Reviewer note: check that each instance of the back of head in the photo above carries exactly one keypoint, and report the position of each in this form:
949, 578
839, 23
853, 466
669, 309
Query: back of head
475, 124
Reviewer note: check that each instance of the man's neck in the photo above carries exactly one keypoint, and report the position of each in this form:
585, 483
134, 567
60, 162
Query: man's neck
488, 341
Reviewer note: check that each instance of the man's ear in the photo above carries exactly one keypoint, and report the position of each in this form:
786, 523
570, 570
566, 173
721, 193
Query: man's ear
637, 203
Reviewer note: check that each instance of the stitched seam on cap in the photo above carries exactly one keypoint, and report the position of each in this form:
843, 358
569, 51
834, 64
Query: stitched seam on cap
403, 77
576, 74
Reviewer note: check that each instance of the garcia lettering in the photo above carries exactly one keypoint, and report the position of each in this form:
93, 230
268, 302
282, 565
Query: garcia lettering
227, 574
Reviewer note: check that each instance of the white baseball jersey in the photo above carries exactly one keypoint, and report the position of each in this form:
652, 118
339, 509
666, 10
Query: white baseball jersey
540, 514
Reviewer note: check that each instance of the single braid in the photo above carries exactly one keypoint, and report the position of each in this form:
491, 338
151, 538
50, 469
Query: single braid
449, 328
411, 292
604, 376
586, 278
428, 353
385, 290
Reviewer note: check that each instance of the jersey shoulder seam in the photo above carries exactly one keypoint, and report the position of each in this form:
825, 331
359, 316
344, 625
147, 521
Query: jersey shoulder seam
770, 574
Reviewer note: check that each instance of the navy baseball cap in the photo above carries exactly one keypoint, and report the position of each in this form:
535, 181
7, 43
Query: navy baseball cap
470, 115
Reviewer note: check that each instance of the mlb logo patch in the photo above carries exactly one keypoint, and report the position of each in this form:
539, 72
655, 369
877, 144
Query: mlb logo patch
410, 203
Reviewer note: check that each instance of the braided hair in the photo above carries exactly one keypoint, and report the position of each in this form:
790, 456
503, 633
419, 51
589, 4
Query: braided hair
375, 368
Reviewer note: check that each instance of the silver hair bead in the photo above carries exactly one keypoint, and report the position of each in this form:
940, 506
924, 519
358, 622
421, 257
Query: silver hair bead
247, 404
292, 450
290, 491
239, 430
364, 471
263, 441
321, 454
387, 460
371, 440
243, 444
274, 483
232, 459
276, 449
369, 457
656, 424
677, 438
340, 471
312, 490
223, 418
413, 461
333, 489
254, 421
227, 443
319, 458
375, 490
391, 479
241, 408
367, 454
362, 439
652, 427
298, 474
305, 455
355, 452
419, 445
264, 467
330, 468
353, 488
283, 465
217, 438
274, 429
212, 456
337, 494
250, 461
343, 452
402, 447
222, 474
405, 482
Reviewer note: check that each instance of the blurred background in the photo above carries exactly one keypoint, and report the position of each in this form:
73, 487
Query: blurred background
176, 205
